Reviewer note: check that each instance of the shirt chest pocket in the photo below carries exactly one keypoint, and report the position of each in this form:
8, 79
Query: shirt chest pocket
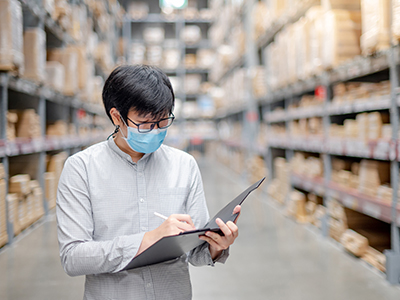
172, 200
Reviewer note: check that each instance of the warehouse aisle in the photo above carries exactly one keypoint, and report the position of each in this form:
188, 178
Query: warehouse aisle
273, 258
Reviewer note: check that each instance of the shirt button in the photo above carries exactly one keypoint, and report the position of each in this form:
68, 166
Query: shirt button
141, 200
148, 285
144, 228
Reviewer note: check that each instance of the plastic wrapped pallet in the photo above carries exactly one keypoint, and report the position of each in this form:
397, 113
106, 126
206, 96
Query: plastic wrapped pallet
11, 36
375, 25
341, 37
35, 54
55, 75
69, 59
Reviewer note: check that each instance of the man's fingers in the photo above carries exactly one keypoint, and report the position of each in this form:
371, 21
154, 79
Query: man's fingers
233, 228
224, 228
237, 210
184, 218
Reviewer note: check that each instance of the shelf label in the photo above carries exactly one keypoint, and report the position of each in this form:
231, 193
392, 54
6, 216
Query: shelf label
372, 210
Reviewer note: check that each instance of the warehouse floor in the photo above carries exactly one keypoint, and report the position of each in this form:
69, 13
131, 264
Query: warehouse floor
273, 258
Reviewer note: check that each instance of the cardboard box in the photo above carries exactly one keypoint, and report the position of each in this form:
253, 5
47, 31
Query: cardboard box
28, 125
11, 36
69, 59
342, 31
55, 75
35, 54
20, 184
375, 26
354, 242
50, 188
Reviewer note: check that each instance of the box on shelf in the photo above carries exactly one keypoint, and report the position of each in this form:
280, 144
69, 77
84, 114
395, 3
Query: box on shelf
11, 36
20, 184
395, 21
154, 35
49, 6
55, 75
297, 206
372, 175
11, 131
191, 34
58, 128
354, 243
172, 58
138, 10
190, 61
280, 185
375, 124
3, 220
375, 258
35, 54
28, 124
69, 59
192, 83
375, 26
342, 31
50, 188
2, 171
205, 58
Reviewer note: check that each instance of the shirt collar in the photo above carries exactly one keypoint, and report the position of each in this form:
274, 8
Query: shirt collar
126, 156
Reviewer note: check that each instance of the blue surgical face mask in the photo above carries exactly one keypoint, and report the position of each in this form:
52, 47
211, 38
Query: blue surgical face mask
145, 142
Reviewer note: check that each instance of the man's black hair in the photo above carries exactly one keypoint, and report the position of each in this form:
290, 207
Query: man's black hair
145, 89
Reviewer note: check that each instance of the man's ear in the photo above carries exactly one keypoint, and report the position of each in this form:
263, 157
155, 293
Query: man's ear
116, 117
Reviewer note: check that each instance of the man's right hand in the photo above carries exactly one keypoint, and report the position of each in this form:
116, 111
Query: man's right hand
175, 224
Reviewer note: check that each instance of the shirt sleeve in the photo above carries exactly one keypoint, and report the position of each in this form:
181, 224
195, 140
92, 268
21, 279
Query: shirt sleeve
80, 254
197, 208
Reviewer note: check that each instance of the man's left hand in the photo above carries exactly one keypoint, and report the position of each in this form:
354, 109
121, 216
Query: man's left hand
221, 242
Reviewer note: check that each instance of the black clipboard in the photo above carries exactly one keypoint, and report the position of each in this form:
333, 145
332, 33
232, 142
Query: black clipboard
171, 247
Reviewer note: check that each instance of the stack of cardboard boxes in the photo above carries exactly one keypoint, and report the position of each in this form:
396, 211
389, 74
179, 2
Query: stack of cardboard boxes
11, 36
52, 176
375, 26
280, 185
310, 166
25, 202
366, 127
25, 123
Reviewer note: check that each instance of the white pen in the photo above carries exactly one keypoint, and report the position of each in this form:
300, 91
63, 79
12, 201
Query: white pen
160, 215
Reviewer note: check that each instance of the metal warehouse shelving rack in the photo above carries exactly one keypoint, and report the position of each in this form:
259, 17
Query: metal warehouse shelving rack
16, 92
380, 150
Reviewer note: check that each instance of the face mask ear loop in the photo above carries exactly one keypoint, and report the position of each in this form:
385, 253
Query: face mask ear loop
115, 132
125, 125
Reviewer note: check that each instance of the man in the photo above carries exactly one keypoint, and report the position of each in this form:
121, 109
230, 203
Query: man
108, 193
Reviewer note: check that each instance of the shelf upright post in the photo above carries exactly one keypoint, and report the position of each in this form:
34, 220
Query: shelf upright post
325, 155
127, 35
251, 114
3, 136
180, 71
393, 255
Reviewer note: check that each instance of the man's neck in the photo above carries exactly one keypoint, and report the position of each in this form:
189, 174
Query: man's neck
121, 143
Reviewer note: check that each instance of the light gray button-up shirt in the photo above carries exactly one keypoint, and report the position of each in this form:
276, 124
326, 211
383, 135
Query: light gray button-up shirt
105, 204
